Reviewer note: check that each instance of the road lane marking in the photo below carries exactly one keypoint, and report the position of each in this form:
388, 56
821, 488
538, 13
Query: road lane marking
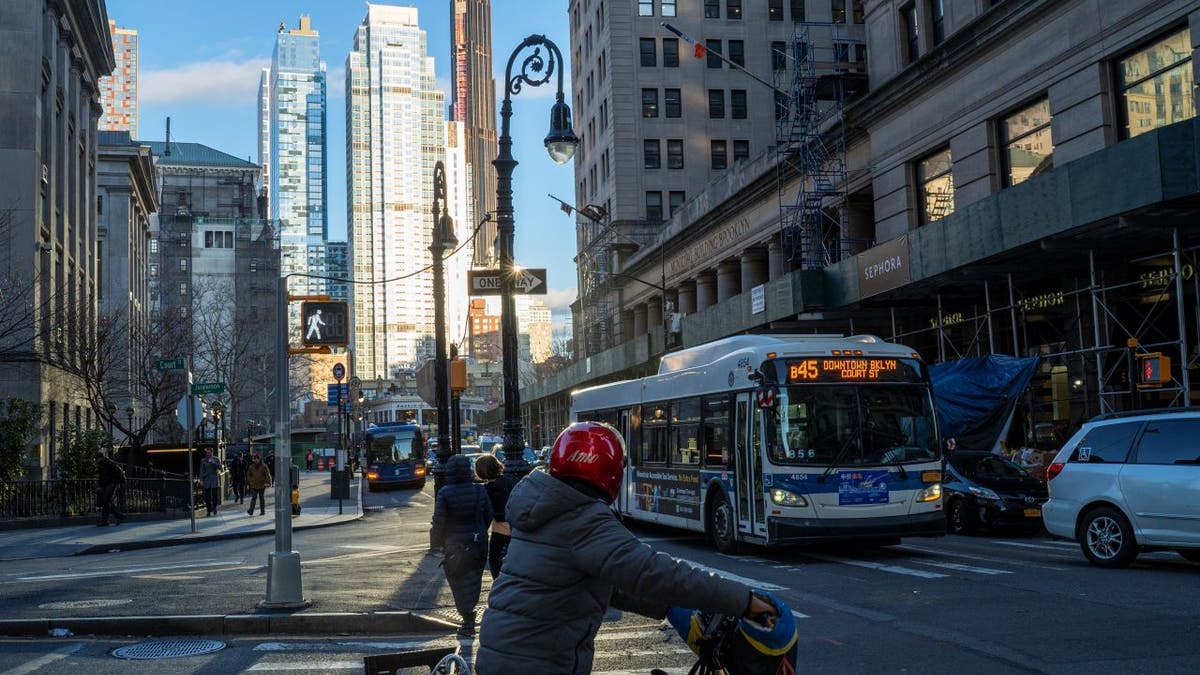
43, 661
798, 615
1038, 547
967, 556
615, 635
959, 567
323, 666
753, 583
654, 540
366, 554
127, 570
684, 670
343, 646
881, 567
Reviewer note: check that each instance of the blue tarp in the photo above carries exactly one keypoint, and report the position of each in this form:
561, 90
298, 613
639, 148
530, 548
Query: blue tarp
975, 397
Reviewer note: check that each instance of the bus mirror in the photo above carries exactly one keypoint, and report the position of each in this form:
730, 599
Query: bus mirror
765, 397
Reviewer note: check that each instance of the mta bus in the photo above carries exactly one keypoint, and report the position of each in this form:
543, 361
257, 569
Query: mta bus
773, 439
395, 456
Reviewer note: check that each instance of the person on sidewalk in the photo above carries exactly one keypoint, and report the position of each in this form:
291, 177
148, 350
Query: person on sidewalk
461, 514
210, 480
570, 558
498, 487
237, 476
258, 478
308, 459
111, 480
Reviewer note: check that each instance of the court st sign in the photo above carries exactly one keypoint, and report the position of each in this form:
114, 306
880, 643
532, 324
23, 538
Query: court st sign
170, 364
325, 323
527, 281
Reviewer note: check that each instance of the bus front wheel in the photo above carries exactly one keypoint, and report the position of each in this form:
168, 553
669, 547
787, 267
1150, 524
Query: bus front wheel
722, 525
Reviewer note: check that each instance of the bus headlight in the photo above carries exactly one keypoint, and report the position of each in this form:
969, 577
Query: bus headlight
787, 498
931, 493
372, 475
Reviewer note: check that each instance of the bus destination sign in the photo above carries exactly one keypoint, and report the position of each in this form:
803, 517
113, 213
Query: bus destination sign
852, 369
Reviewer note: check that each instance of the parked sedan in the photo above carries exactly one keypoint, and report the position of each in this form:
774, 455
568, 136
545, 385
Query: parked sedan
983, 489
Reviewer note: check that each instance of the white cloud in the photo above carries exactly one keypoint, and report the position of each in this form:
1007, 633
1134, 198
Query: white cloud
221, 82
559, 299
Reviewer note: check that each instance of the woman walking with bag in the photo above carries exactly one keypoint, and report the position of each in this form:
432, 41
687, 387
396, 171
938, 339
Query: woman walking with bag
498, 487
461, 515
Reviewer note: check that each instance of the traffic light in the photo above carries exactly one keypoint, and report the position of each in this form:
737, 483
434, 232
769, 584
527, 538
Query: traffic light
324, 323
458, 376
1154, 370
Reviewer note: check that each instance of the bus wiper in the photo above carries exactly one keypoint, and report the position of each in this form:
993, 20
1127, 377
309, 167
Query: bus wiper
856, 434
899, 465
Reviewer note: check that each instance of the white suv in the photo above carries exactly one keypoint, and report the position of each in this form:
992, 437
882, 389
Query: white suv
1129, 482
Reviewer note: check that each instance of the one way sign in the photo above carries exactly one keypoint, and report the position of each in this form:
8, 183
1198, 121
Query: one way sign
526, 282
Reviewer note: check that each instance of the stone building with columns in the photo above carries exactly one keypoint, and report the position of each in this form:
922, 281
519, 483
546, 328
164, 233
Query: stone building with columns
54, 53
1021, 178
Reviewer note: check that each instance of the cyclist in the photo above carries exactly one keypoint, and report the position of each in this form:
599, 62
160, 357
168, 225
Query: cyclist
570, 558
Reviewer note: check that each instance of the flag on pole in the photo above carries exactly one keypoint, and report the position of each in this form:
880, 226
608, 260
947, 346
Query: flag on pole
566, 208
701, 50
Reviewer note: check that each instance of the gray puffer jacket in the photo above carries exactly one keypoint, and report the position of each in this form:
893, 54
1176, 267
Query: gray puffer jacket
568, 560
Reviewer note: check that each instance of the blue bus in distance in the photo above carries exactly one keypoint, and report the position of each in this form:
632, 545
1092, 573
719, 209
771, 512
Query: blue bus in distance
395, 456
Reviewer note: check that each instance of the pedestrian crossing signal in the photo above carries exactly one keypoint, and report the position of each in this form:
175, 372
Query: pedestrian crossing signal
324, 324
1154, 370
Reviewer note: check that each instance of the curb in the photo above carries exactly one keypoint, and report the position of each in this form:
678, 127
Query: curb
179, 541
233, 624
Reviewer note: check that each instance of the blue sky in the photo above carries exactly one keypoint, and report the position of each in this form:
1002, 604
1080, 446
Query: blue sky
199, 64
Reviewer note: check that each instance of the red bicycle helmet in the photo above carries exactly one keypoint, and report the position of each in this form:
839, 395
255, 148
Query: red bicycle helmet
593, 452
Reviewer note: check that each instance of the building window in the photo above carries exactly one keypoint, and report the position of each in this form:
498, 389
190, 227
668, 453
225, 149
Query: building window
229, 239
775, 10
99, 204
741, 151
716, 104
154, 246
667, 7
185, 239
208, 240
712, 9
650, 154
713, 49
645, 7
737, 104
183, 312
935, 187
153, 269
856, 8
797, 11
674, 153
647, 49
733, 9
183, 288
838, 10
717, 151
937, 16
676, 199
649, 103
908, 19
183, 264
670, 48
737, 52
778, 56
1155, 85
672, 103
1028, 148
654, 211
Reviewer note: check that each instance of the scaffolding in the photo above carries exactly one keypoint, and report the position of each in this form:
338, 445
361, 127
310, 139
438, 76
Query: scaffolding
811, 218
594, 262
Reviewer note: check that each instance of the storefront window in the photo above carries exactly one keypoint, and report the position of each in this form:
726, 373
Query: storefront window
1028, 148
1155, 85
935, 187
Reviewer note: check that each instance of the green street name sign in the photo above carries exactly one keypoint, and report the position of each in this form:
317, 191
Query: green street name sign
170, 364
208, 388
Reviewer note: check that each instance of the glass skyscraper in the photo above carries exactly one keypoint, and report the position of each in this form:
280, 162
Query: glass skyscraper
292, 147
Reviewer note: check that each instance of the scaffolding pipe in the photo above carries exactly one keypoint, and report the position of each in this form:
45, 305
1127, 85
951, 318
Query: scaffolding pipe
1082, 356
1012, 315
941, 332
1182, 317
1096, 331
893, 308
987, 304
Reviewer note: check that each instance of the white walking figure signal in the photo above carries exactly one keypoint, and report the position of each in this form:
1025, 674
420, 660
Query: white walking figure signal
314, 326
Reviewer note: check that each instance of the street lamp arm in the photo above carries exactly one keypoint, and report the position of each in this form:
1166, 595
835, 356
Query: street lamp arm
534, 70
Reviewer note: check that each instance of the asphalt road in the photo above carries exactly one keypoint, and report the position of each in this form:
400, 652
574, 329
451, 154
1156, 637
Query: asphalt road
977, 604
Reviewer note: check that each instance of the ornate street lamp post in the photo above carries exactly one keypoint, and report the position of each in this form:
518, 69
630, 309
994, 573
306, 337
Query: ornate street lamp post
561, 142
132, 436
443, 238
111, 409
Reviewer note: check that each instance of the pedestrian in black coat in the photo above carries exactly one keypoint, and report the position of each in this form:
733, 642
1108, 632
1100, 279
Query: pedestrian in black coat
237, 474
498, 486
461, 515
111, 479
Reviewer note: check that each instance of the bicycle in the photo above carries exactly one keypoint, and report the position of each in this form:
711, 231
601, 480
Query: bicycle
731, 645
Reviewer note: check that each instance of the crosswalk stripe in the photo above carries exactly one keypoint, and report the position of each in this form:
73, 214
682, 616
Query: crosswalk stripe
798, 615
344, 646
753, 583
43, 661
893, 569
960, 567
968, 556
292, 666
669, 671
1021, 544
602, 637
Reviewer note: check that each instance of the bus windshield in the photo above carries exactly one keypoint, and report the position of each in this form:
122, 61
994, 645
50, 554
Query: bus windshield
851, 424
389, 447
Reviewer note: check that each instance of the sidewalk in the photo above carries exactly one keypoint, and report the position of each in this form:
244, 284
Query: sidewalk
231, 521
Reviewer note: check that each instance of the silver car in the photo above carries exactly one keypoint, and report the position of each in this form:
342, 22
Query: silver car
1126, 483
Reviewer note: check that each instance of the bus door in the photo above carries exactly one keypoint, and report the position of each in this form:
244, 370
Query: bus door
627, 470
750, 507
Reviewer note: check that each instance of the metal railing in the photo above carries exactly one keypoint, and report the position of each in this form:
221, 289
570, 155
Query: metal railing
73, 498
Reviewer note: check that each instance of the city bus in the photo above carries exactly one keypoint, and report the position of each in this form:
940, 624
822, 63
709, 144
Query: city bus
772, 439
395, 456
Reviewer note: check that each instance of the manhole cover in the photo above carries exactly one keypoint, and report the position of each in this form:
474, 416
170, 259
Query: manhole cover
167, 649
83, 604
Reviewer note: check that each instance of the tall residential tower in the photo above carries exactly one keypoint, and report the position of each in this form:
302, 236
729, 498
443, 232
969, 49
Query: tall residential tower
395, 133
474, 97
119, 91
293, 144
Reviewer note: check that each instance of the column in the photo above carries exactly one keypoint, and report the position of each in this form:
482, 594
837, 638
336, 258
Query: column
775, 263
729, 279
706, 290
687, 298
639, 321
626, 325
754, 268
654, 314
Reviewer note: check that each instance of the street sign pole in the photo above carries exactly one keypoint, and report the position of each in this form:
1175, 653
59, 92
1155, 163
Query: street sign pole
341, 452
284, 589
191, 428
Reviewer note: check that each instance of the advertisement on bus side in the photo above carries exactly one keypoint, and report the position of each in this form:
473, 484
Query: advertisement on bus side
670, 493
